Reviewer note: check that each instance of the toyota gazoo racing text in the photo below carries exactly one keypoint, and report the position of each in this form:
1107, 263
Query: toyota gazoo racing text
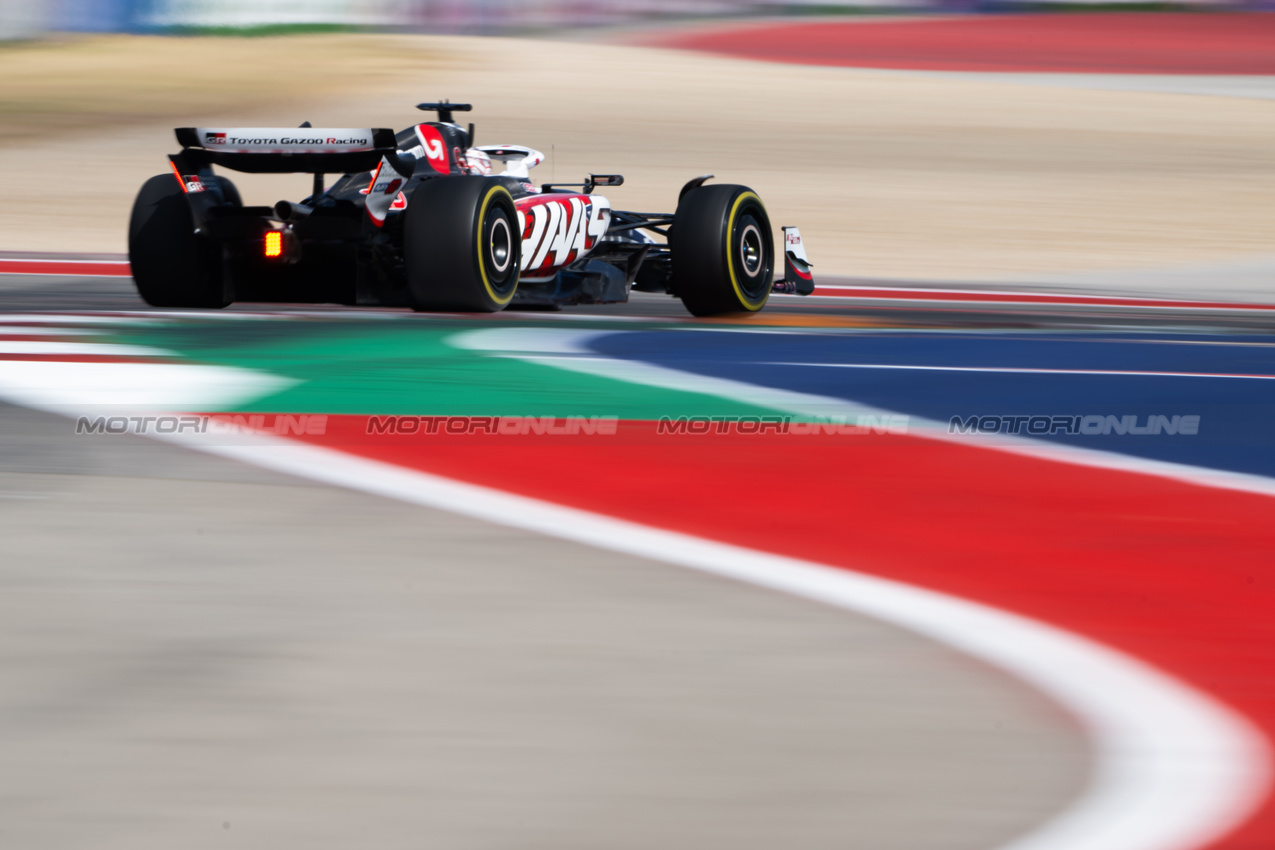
418, 219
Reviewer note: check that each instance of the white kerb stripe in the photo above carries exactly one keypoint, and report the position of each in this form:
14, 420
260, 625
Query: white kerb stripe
1023, 370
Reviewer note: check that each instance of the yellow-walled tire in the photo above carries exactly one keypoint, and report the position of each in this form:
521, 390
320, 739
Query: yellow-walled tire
723, 251
461, 245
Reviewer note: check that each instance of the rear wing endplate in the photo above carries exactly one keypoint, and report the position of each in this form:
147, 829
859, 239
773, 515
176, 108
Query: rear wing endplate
281, 150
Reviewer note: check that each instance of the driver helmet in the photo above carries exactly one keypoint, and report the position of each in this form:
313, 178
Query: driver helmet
477, 162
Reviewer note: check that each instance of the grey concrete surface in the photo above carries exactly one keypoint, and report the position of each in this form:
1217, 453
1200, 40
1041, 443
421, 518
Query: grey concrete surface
42, 292
197, 654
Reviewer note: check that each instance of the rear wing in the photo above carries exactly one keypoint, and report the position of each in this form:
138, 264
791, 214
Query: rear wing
281, 150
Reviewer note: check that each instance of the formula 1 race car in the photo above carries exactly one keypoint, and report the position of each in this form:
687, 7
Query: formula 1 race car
419, 220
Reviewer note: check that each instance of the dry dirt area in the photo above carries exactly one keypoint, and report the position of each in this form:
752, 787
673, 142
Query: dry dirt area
888, 175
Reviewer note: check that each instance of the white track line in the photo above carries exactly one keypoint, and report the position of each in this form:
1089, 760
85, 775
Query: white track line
568, 349
120, 318
27, 330
1049, 297
58, 259
1023, 370
1043, 299
126, 388
92, 349
1175, 768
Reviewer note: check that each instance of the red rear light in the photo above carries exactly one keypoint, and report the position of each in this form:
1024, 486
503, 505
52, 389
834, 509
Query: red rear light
274, 243
178, 175
372, 182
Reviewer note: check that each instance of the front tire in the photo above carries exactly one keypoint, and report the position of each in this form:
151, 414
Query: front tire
723, 251
461, 245
172, 266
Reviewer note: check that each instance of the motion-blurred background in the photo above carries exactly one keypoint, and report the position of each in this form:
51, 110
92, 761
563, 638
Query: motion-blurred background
21, 19
1059, 147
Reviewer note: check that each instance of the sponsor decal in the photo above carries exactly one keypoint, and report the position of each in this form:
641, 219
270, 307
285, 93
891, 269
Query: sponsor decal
284, 141
434, 148
559, 231
794, 246
250, 140
383, 193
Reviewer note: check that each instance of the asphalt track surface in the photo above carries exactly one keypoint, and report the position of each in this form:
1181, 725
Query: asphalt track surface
839, 302
761, 698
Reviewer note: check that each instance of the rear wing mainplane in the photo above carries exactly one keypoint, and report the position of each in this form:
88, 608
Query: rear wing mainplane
283, 150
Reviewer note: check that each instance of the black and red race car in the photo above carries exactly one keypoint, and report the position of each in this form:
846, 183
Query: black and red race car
418, 219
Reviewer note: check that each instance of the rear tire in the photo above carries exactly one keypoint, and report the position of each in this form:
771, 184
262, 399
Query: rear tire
461, 245
229, 191
723, 251
172, 266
